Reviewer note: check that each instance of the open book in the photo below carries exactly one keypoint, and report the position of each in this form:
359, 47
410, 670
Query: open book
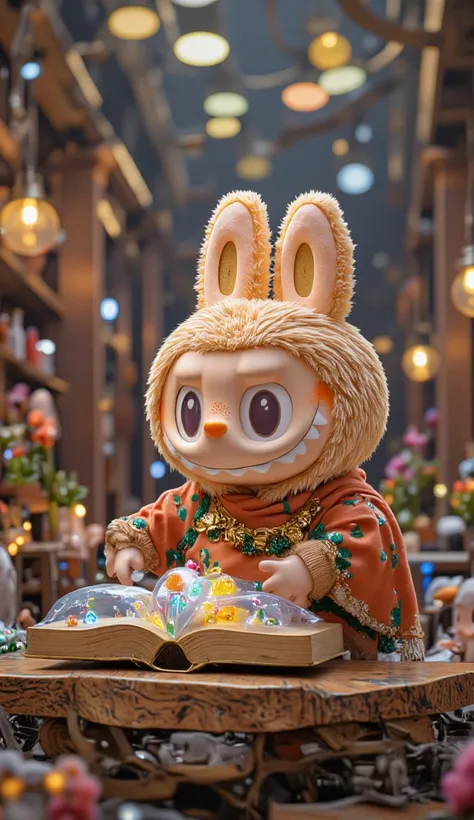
188, 621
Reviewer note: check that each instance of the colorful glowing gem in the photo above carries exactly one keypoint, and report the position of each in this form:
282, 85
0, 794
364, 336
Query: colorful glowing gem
209, 613
178, 603
174, 582
117, 614
192, 565
71, 620
155, 620
272, 622
130, 613
91, 617
54, 782
12, 788
139, 523
195, 589
170, 629
231, 614
90, 603
225, 585
139, 607
3, 638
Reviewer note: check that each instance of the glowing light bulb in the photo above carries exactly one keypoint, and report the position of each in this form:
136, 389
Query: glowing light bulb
12, 549
27, 526
420, 359
440, 490
469, 280
80, 510
421, 362
29, 212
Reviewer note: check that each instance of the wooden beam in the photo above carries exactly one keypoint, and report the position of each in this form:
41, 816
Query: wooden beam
454, 381
152, 336
81, 355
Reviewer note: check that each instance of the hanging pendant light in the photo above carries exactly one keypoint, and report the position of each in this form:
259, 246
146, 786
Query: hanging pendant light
462, 288
200, 42
29, 224
355, 175
421, 360
226, 96
133, 21
329, 50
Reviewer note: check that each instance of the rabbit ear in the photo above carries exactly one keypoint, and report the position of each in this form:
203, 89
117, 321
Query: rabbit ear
235, 256
314, 256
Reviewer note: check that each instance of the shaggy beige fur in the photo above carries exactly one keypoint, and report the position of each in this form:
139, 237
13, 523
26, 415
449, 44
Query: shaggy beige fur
337, 352
261, 244
341, 301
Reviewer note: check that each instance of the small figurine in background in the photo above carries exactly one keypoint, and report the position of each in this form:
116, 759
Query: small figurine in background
268, 406
28, 615
462, 643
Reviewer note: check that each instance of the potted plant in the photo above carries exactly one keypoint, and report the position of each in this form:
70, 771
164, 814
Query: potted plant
409, 480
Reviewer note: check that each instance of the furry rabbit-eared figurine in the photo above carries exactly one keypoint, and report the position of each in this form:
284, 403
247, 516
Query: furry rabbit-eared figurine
268, 406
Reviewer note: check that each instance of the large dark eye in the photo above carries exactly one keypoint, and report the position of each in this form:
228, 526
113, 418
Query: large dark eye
265, 412
189, 412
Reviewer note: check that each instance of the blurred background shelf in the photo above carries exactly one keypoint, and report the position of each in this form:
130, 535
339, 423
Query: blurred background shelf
24, 371
27, 289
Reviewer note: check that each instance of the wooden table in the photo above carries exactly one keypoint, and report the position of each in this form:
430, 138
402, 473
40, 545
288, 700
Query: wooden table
355, 709
235, 701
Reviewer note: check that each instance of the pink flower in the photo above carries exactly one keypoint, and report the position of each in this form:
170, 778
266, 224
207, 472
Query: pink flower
396, 465
458, 785
409, 474
414, 439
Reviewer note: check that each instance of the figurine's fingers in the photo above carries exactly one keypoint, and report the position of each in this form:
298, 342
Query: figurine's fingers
110, 564
123, 570
270, 586
137, 562
269, 566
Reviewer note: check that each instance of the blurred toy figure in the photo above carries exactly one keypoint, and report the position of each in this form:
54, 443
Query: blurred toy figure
8, 588
462, 643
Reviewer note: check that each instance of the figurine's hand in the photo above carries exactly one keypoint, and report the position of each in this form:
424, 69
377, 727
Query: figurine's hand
289, 578
123, 562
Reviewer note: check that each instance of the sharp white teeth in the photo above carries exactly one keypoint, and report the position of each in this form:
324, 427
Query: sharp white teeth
262, 468
319, 419
313, 433
188, 464
289, 458
209, 471
170, 447
239, 472
300, 449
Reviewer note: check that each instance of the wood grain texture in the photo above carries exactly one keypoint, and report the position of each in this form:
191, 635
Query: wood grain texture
338, 692
362, 811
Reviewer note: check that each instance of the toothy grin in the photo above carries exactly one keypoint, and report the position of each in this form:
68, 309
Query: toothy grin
288, 458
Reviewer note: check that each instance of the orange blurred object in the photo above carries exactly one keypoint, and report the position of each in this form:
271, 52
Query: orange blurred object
174, 582
35, 418
459, 486
446, 594
17, 452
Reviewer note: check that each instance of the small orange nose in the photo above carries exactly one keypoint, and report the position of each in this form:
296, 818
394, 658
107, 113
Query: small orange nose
215, 429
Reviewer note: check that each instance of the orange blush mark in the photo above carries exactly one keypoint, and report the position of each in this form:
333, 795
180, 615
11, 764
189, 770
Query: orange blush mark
325, 394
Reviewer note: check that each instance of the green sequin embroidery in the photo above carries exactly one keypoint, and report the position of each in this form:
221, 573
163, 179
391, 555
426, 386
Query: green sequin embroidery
336, 538
257, 586
383, 555
350, 502
343, 559
396, 615
370, 505
286, 506
139, 523
386, 645
395, 556
194, 497
248, 547
278, 544
177, 500
356, 532
182, 513
328, 605
381, 520
319, 533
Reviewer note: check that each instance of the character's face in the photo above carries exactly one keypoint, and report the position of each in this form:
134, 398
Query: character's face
247, 417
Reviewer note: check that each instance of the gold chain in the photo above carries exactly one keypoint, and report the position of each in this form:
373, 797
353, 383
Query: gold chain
219, 525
